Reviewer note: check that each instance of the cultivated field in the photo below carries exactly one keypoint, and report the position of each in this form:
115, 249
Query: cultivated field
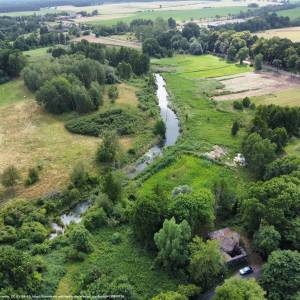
111, 41
30, 137
292, 33
257, 84
42, 11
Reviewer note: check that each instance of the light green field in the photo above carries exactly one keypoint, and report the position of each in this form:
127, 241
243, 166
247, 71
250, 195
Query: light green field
290, 97
13, 91
205, 66
178, 15
188, 170
42, 11
291, 13
38, 54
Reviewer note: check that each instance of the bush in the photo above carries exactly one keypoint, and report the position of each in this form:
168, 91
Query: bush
8, 234
95, 218
79, 238
116, 238
113, 93
246, 102
238, 105
10, 176
40, 249
33, 176
75, 255
123, 121
34, 231
160, 129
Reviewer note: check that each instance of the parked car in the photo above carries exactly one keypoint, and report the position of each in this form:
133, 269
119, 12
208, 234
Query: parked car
246, 270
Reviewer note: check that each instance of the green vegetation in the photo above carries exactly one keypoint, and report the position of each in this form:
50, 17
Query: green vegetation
293, 13
178, 15
13, 91
37, 55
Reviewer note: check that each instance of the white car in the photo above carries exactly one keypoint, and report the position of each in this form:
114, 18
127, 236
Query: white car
246, 270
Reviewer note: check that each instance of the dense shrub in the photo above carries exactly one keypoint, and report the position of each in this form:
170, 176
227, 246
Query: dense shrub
33, 176
95, 124
95, 218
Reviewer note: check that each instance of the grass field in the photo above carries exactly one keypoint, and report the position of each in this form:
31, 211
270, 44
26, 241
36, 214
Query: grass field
290, 97
205, 66
124, 259
188, 170
31, 137
292, 33
36, 55
291, 13
13, 91
178, 15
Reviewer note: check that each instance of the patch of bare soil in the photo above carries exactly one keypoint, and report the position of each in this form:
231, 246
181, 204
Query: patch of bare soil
254, 84
216, 153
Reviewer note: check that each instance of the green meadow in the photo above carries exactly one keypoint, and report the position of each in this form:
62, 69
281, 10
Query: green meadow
293, 13
178, 15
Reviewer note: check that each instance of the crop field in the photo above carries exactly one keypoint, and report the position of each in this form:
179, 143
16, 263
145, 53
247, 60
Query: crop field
289, 97
42, 11
178, 15
292, 33
257, 84
32, 137
111, 41
291, 13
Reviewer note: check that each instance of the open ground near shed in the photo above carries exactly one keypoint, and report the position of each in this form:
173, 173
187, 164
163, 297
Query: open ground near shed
260, 83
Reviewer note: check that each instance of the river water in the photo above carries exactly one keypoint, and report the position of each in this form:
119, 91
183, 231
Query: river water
172, 128
172, 134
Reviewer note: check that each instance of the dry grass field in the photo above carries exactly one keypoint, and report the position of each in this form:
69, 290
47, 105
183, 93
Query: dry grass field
292, 33
30, 137
257, 84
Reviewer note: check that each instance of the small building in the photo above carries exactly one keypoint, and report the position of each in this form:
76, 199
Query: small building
230, 245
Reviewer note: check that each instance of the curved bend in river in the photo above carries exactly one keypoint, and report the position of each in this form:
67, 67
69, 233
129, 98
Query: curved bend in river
172, 127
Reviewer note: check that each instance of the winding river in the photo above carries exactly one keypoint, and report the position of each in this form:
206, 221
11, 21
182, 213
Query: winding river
172, 134
172, 128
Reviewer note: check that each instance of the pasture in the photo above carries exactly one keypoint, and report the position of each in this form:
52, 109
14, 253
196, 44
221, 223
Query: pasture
36, 55
292, 33
30, 137
42, 11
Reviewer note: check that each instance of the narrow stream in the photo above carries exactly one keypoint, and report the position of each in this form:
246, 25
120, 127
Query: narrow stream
172, 128
172, 134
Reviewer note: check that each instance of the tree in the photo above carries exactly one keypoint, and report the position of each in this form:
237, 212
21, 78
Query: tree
281, 275
160, 129
235, 128
124, 70
258, 152
112, 187
17, 271
225, 198
171, 23
280, 137
206, 262
258, 61
82, 100
79, 238
242, 54
196, 208
239, 289
56, 95
34, 231
16, 63
10, 176
151, 47
196, 48
171, 242
293, 233
191, 30
246, 102
109, 149
59, 51
266, 240
169, 296
95, 92
147, 217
